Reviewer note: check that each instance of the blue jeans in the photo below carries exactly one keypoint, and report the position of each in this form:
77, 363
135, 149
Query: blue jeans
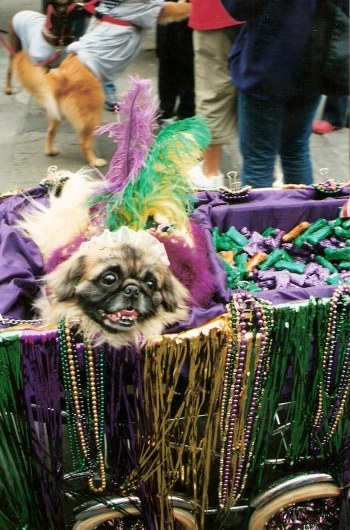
270, 128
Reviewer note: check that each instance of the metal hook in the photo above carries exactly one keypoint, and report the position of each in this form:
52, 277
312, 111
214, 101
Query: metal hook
233, 180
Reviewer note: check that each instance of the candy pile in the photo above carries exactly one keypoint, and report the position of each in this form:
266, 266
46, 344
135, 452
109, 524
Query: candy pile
327, 188
311, 254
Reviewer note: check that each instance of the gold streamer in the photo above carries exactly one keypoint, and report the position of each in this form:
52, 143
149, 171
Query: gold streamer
183, 422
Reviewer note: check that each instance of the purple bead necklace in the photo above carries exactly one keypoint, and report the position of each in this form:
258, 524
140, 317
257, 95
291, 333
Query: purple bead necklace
245, 375
330, 400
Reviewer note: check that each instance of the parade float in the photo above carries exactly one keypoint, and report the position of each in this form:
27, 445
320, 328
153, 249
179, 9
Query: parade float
237, 415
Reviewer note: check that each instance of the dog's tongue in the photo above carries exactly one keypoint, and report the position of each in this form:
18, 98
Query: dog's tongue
130, 313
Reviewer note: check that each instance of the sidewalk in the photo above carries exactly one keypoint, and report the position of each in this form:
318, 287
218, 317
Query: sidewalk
23, 124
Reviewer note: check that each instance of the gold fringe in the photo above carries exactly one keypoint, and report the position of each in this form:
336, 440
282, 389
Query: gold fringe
184, 431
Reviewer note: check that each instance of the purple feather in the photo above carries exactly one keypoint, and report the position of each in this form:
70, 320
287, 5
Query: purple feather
191, 265
132, 132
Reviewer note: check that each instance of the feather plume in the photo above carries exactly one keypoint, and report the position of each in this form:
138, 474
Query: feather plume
148, 176
162, 186
191, 263
133, 134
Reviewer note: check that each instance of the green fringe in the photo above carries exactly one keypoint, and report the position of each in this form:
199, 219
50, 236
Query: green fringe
299, 330
17, 483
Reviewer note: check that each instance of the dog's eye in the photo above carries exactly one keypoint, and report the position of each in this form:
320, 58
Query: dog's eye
109, 278
151, 283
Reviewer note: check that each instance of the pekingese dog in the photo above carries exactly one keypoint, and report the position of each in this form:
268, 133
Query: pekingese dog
117, 287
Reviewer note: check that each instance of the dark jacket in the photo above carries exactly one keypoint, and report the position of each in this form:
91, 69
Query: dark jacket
266, 60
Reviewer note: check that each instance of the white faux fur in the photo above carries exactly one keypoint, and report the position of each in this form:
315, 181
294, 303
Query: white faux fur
66, 217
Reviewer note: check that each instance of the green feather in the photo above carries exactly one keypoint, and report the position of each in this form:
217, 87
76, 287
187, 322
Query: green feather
162, 185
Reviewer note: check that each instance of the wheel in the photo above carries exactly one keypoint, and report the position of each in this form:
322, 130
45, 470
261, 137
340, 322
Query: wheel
262, 515
182, 516
186, 519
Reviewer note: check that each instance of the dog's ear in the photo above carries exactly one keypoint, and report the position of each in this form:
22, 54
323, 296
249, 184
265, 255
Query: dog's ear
174, 12
174, 293
63, 281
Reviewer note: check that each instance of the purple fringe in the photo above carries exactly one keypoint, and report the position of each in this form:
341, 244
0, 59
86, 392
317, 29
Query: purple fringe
43, 410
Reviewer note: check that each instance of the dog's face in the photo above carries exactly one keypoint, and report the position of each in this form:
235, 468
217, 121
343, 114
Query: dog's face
119, 289
61, 15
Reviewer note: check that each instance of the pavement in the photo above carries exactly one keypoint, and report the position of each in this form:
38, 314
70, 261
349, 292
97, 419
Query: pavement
23, 124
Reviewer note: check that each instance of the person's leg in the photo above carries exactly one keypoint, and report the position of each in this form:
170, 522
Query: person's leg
185, 71
259, 130
167, 83
214, 93
295, 149
335, 110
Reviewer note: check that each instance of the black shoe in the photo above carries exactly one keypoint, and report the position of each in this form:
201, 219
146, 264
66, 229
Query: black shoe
110, 105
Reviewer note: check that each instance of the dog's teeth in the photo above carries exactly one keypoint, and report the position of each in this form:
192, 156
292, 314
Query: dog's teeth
126, 315
114, 317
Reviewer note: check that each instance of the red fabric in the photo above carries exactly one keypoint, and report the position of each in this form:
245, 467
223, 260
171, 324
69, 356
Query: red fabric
209, 14
90, 8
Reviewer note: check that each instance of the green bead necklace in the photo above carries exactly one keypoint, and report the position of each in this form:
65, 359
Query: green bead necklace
85, 414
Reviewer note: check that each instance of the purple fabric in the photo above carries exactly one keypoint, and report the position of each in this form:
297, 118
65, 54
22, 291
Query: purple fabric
21, 263
20, 260
282, 209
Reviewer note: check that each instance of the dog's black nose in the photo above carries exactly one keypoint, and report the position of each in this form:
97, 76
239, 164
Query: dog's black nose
131, 291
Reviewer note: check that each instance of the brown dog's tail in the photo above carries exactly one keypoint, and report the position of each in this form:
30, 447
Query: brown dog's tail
174, 12
33, 78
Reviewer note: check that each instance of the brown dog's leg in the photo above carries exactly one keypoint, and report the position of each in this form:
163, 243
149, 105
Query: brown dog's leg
8, 85
16, 46
50, 150
86, 145
88, 117
80, 97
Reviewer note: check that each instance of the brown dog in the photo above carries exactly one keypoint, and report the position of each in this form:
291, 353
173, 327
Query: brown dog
73, 90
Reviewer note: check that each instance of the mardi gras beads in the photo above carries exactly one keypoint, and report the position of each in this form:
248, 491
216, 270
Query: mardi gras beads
83, 413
